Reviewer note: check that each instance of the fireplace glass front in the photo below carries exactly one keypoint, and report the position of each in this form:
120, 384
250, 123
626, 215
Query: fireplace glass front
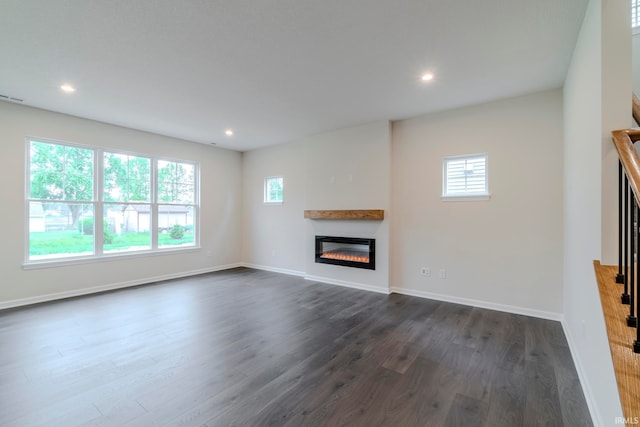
346, 251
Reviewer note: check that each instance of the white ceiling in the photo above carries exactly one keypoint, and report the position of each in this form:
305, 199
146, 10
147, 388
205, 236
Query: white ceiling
277, 70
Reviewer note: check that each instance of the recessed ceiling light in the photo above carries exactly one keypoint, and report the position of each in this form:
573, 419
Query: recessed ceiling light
67, 88
228, 132
427, 77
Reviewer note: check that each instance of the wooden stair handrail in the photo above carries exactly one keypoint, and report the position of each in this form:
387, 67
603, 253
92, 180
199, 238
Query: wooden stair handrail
623, 141
635, 108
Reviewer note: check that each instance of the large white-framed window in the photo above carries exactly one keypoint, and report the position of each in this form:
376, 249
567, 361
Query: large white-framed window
465, 177
273, 190
89, 202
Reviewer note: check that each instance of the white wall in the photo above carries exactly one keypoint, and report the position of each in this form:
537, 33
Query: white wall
635, 63
350, 169
273, 235
344, 169
504, 253
584, 163
616, 113
220, 204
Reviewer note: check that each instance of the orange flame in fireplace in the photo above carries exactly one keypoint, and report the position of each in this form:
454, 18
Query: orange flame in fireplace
345, 257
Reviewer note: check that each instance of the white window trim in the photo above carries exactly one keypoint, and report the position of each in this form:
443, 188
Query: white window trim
264, 199
470, 196
98, 204
111, 256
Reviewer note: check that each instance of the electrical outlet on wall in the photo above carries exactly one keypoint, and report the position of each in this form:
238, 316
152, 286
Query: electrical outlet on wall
425, 271
443, 273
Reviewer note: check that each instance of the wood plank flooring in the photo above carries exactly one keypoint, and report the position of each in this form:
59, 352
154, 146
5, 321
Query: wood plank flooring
251, 348
626, 363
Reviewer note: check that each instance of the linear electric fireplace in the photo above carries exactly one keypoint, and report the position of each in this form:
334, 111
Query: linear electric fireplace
346, 251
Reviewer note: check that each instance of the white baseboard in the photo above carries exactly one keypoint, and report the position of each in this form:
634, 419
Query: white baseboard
273, 269
110, 287
326, 280
584, 381
355, 285
347, 284
479, 303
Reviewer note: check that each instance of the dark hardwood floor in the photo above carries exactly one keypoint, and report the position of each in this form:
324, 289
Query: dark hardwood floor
252, 348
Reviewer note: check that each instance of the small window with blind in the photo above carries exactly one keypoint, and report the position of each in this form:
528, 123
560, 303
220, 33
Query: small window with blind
635, 16
465, 178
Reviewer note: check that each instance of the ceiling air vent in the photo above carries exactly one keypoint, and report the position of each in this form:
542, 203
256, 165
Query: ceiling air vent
10, 98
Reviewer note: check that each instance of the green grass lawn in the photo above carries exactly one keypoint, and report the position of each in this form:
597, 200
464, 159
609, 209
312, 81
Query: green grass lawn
73, 242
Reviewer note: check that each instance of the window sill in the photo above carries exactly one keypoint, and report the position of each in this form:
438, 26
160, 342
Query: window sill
469, 198
37, 264
273, 203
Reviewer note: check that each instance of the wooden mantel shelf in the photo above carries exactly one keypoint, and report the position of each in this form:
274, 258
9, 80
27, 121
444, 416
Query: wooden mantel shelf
363, 214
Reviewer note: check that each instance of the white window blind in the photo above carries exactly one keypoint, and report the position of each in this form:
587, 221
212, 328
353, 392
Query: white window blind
635, 13
465, 176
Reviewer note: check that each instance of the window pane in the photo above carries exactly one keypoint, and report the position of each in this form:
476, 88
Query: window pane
273, 192
185, 193
176, 182
60, 230
176, 225
126, 178
126, 227
465, 176
60, 172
